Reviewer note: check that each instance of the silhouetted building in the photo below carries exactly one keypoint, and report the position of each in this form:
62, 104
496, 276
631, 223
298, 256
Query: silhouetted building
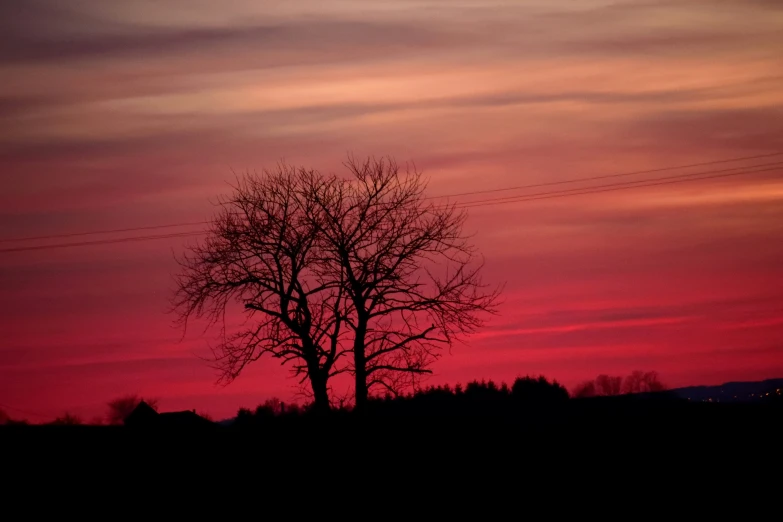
145, 416
142, 415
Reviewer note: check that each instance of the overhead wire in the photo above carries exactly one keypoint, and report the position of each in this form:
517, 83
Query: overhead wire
629, 184
475, 192
586, 191
607, 176
668, 180
103, 241
97, 232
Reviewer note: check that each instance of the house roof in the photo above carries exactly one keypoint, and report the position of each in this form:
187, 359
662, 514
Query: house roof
145, 415
142, 414
183, 418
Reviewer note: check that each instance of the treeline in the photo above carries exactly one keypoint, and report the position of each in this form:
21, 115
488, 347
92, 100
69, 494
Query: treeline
116, 412
475, 398
608, 385
485, 397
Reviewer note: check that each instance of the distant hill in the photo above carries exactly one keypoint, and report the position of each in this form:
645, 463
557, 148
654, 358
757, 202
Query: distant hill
754, 391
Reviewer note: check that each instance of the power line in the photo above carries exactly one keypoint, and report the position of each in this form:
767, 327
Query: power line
468, 204
96, 232
476, 192
527, 197
684, 177
102, 242
606, 176
611, 188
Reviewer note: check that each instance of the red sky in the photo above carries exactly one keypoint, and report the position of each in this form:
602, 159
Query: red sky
123, 114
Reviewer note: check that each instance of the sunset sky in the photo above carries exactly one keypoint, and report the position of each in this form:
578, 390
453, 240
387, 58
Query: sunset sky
134, 113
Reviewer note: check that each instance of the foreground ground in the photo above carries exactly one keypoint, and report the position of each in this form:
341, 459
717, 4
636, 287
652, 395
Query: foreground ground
634, 427
578, 458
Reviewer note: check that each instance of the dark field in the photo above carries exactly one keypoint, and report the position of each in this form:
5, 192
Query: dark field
614, 425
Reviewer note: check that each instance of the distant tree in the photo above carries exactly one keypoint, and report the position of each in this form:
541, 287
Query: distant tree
295, 409
537, 390
483, 398
642, 382
607, 385
244, 417
6, 419
121, 407
274, 407
67, 420
271, 407
584, 389
411, 275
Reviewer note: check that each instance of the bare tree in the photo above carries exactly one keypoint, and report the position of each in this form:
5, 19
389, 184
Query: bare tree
121, 407
412, 278
605, 385
608, 385
262, 253
642, 382
584, 389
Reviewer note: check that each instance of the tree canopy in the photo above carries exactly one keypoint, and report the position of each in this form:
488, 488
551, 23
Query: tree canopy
362, 275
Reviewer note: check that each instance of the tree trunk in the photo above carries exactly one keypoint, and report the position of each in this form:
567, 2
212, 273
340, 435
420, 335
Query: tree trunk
320, 395
360, 365
318, 377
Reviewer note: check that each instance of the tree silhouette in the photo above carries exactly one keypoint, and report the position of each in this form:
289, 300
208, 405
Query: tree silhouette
121, 407
244, 417
538, 391
411, 276
525, 396
326, 267
4, 418
262, 254
270, 408
605, 385
608, 385
67, 420
642, 382
584, 389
